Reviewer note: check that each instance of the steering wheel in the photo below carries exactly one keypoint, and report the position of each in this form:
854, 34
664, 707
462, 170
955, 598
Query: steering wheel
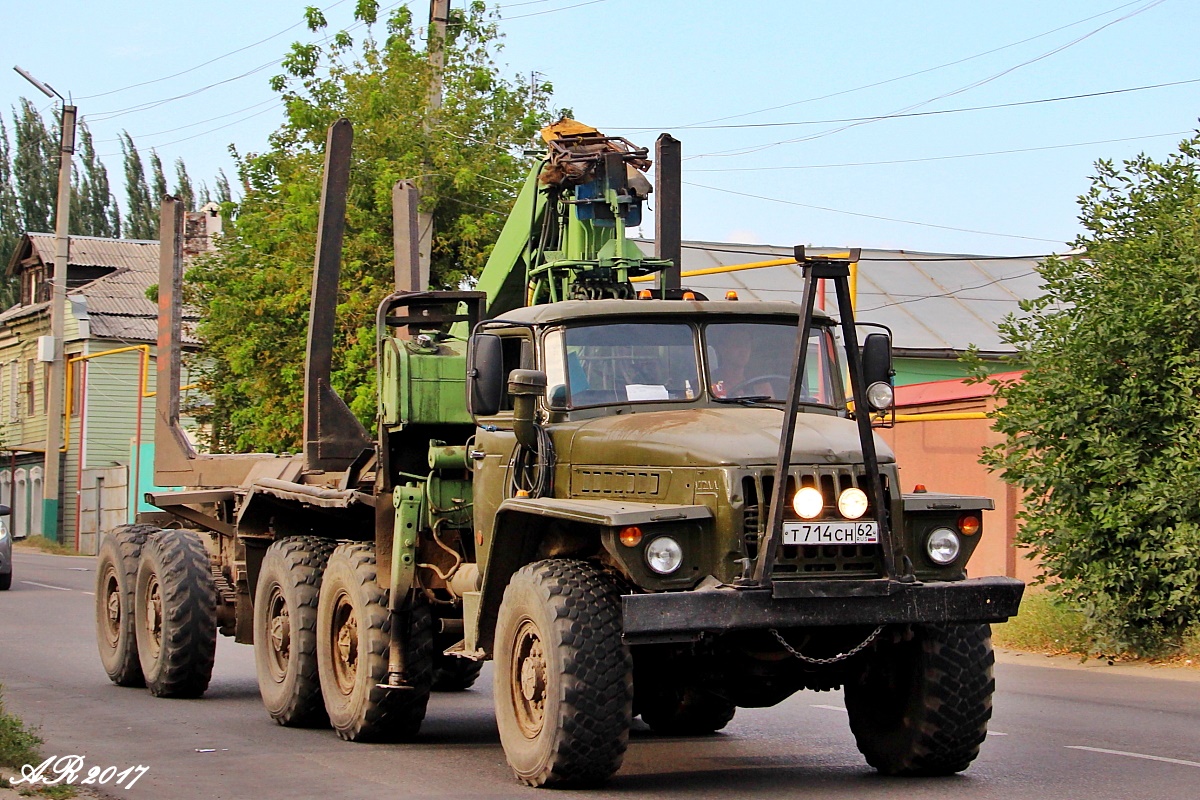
779, 386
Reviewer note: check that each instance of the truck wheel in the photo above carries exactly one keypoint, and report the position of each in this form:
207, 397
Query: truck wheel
563, 678
116, 575
285, 629
921, 707
454, 674
684, 710
353, 631
175, 614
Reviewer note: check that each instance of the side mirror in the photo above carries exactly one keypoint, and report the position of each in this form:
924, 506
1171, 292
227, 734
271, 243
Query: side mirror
485, 375
877, 359
5, 511
877, 370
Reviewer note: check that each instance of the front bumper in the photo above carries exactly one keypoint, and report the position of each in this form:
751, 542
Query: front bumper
680, 616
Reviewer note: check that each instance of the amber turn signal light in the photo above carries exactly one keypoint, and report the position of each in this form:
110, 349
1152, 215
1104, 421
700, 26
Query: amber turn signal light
731, 295
630, 536
968, 524
645, 294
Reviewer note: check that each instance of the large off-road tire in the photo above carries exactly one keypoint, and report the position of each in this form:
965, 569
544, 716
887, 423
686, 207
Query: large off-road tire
563, 678
175, 614
921, 706
454, 674
285, 629
116, 575
353, 631
684, 710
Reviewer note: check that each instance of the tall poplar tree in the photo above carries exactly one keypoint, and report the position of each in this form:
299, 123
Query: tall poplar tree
35, 168
141, 215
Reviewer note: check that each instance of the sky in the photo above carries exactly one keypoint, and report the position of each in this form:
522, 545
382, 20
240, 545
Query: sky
952, 127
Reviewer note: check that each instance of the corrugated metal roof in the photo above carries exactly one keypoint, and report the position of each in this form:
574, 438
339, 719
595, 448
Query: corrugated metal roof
116, 303
931, 301
95, 251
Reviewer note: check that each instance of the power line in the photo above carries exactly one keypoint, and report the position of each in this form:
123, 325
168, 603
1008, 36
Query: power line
207, 132
952, 293
194, 124
550, 10
210, 61
107, 115
735, 152
908, 260
870, 216
877, 117
945, 158
890, 80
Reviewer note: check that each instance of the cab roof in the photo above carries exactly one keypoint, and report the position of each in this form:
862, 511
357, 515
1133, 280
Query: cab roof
572, 310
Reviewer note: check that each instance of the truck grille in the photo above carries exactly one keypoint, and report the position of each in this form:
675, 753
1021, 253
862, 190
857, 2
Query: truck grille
812, 561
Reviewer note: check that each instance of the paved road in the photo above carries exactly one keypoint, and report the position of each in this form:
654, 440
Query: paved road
1057, 733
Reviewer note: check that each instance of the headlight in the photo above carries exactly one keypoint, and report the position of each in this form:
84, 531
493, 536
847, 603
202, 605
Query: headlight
942, 546
664, 555
880, 396
852, 503
808, 503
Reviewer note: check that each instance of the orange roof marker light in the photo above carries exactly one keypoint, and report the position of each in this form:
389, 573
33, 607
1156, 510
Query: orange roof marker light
731, 295
645, 294
689, 295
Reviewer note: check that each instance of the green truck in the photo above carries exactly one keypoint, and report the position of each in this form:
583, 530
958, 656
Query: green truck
634, 500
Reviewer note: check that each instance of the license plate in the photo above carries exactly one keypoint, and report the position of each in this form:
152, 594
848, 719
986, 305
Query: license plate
831, 532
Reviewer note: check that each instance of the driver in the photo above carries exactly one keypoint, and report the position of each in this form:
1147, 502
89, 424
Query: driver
731, 373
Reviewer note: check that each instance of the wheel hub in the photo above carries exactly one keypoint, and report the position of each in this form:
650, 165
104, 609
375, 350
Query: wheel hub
279, 633
112, 609
530, 679
345, 645
154, 617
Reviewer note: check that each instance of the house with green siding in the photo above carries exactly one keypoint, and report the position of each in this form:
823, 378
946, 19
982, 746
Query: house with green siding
109, 344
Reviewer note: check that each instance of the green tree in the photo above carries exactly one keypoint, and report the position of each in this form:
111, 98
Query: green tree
183, 186
254, 294
35, 168
1102, 431
158, 182
141, 212
94, 210
10, 219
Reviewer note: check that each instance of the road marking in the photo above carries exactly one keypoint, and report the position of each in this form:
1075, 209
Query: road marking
47, 586
1133, 755
830, 708
996, 733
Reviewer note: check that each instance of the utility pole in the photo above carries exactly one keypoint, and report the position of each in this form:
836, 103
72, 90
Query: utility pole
439, 12
50, 348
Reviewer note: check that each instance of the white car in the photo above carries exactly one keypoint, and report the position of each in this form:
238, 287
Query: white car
6, 565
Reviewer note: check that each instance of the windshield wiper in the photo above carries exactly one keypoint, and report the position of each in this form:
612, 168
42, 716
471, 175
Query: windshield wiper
750, 401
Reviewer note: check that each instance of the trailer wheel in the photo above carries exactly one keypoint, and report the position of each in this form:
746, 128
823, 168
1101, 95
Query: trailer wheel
353, 630
563, 678
454, 674
921, 706
285, 629
116, 576
175, 614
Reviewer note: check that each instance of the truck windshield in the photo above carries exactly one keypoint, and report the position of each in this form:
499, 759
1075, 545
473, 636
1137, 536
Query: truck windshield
642, 362
753, 360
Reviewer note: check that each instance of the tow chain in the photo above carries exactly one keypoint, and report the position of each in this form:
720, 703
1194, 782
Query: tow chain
832, 659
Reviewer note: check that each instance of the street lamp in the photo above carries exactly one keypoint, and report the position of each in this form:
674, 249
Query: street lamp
50, 348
